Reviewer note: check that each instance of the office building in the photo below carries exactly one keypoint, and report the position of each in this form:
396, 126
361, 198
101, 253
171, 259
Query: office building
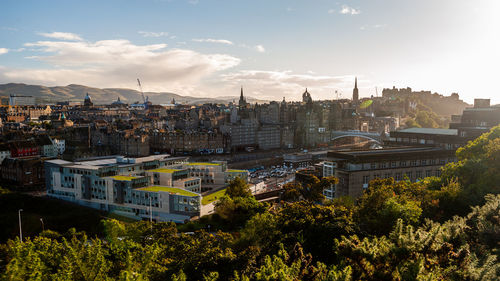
356, 168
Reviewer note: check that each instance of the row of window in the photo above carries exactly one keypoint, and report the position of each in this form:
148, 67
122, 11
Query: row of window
411, 163
78, 171
400, 175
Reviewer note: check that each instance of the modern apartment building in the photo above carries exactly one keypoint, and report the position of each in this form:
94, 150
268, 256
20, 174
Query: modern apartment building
159, 187
356, 168
122, 185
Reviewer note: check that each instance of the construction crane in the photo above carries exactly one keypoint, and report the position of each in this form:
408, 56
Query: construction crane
142, 93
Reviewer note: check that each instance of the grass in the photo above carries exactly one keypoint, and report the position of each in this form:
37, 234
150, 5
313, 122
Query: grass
123, 178
169, 189
212, 197
57, 215
237, 171
164, 170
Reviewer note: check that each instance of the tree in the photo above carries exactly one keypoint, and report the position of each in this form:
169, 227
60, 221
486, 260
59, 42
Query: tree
238, 188
237, 210
384, 202
310, 189
478, 168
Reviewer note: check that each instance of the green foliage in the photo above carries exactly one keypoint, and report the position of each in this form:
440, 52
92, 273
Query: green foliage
311, 189
411, 123
238, 188
385, 202
478, 169
314, 226
395, 231
237, 210
426, 118
297, 266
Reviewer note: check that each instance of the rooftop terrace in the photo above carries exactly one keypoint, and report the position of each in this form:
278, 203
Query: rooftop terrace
173, 190
164, 170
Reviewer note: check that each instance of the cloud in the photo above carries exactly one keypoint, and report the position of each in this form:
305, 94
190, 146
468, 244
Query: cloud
3, 51
153, 34
331, 11
62, 36
260, 49
210, 40
117, 63
270, 84
9, 28
375, 26
346, 10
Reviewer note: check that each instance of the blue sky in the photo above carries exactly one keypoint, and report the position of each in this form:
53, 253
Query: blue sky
273, 48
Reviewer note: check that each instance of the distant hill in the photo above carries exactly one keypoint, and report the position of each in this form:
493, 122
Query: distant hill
75, 92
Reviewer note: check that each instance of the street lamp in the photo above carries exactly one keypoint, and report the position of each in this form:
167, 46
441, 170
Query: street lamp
43, 226
20, 227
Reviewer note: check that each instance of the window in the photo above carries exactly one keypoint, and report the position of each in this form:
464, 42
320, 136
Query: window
424, 162
413, 163
393, 164
428, 173
387, 175
398, 176
373, 166
402, 164
366, 179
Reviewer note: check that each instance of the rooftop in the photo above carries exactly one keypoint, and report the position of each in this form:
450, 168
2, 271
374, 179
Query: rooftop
174, 190
389, 153
430, 131
236, 171
164, 170
203, 164
124, 178
121, 161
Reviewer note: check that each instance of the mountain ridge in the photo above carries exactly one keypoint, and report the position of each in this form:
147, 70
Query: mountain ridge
76, 92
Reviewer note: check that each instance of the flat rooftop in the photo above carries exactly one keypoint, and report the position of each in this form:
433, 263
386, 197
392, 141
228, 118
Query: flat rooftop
124, 178
173, 190
236, 171
164, 170
430, 131
121, 161
204, 164
388, 153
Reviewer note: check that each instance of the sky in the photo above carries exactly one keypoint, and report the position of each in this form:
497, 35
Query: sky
271, 48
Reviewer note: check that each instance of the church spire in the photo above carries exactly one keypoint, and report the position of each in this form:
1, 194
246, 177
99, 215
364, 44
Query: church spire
355, 91
242, 102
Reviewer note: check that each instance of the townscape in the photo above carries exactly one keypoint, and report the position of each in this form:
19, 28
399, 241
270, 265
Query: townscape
254, 140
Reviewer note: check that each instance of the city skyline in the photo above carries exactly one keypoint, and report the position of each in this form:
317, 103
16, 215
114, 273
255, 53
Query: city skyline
206, 48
